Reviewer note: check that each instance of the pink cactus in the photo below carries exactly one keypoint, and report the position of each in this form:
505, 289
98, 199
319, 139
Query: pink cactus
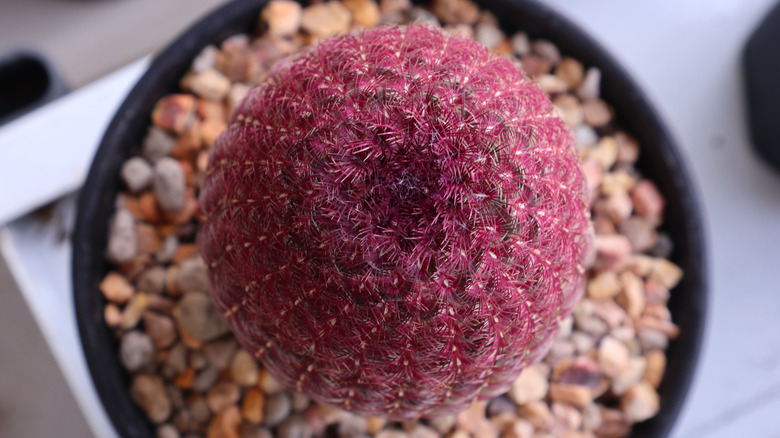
395, 222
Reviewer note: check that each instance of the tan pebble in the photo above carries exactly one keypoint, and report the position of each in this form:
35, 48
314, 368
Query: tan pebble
503, 420
640, 403
593, 174
530, 386
568, 415
132, 313
632, 295
223, 395
112, 315
580, 371
582, 341
630, 376
282, 17
244, 370
640, 233
148, 240
652, 339
618, 207
561, 349
610, 312
618, 180
597, 113
486, 429
210, 84
205, 380
521, 45
591, 417
535, 66
658, 311
472, 418
613, 424
332, 414
612, 356
578, 395
160, 328
183, 251
570, 71
648, 201
268, 383
205, 60
375, 424
640, 264
197, 317
585, 320
656, 365
388, 7
209, 132
455, 11
151, 280
537, 413
612, 252
237, 93
174, 112
490, 35
396, 433
170, 281
655, 293
605, 152
225, 424
460, 29
277, 409
668, 328
132, 269
519, 428
188, 144
547, 50
116, 288
422, 431
219, 353
590, 88
326, 19
209, 110
569, 109
252, 406
148, 391
192, 275
551, 84
628, 148
665, 273
604, 285
443, 424
149, 208
364, 12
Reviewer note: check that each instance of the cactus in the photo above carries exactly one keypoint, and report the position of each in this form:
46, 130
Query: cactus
395, 222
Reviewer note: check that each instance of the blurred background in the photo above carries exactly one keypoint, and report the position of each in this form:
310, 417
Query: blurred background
686, 57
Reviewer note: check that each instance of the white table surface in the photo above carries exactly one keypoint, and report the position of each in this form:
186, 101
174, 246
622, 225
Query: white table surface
685, 54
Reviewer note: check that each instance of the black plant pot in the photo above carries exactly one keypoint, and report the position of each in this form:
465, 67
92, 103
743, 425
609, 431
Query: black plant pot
660, 161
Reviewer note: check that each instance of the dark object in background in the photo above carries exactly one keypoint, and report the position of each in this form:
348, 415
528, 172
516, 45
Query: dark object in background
762, 75
660, 161
27, 81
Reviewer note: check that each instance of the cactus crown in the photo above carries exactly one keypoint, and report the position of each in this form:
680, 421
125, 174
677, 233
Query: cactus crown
395, 222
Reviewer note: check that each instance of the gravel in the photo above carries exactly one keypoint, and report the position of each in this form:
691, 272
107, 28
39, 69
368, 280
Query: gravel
192, 379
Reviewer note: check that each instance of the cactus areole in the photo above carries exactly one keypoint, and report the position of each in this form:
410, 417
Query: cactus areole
395, 222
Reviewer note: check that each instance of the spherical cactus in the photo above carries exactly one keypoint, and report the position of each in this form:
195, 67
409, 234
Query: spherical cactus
395, 222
